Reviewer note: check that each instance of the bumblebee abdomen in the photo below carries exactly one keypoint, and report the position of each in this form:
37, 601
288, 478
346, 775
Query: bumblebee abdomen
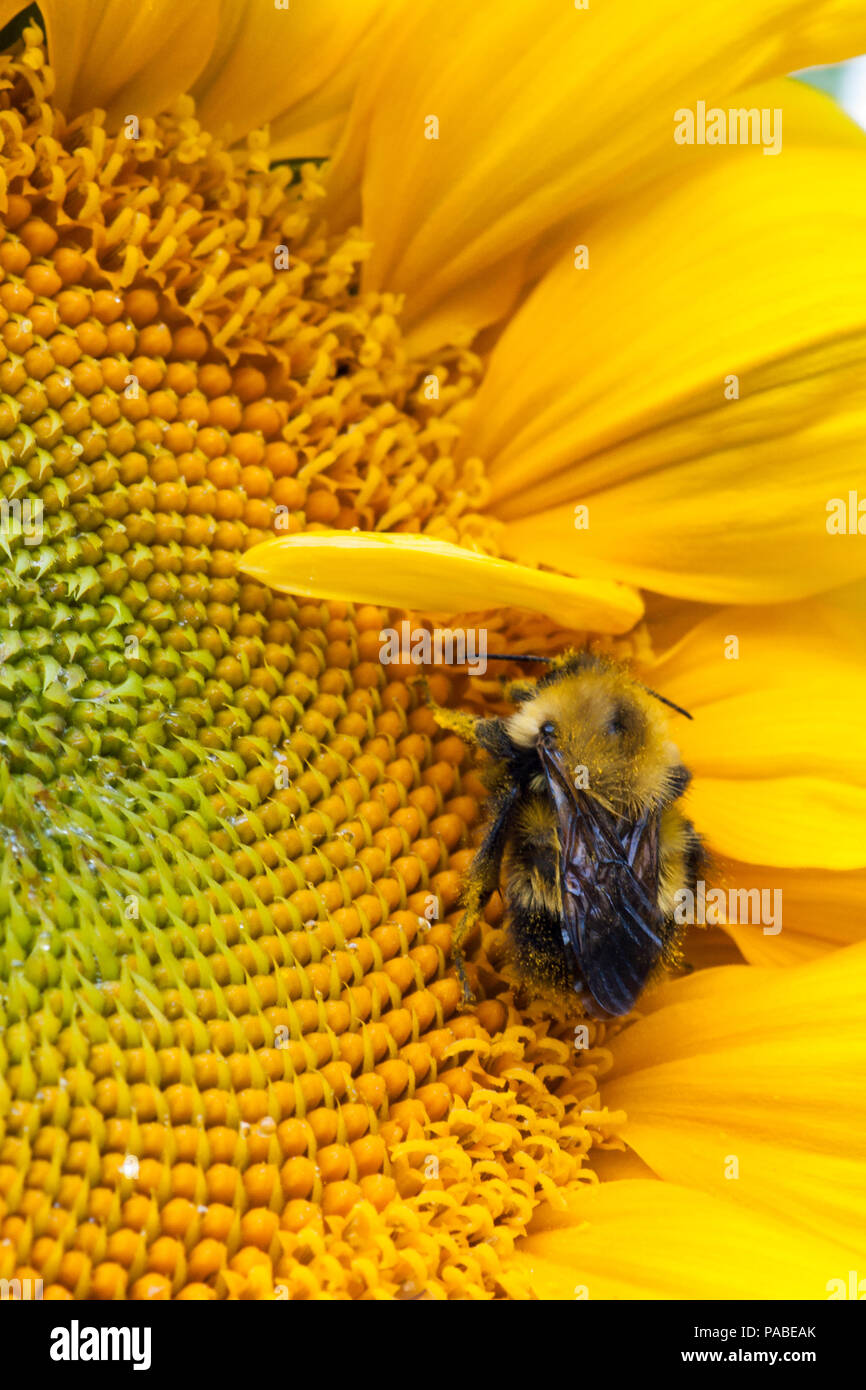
533, 899
544, 956
535, 852
536, 936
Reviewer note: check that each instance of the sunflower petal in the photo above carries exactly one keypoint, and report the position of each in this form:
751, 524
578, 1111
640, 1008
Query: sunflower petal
811, 119
806, 820
422, 573
747, 1083
777, 746
639, 1239
548, 135
689, 491
126, 59
821, 911
295, 68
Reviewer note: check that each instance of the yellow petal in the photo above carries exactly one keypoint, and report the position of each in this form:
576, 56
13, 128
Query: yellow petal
777, 745
805, 820
295, 68
690, 493
747, 1084
419, 572
129, 59
531, 128
821, 911
615, 1165
655, 1240
246, 62
774, 691
811, 119
711, 946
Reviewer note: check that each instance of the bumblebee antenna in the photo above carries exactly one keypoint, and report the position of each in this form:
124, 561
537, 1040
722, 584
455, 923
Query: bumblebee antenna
521, 656
679, 709
525, 656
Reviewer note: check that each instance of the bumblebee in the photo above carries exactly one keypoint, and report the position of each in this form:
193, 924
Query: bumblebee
583, 782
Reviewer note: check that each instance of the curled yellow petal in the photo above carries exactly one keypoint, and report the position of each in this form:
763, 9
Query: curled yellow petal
422, 573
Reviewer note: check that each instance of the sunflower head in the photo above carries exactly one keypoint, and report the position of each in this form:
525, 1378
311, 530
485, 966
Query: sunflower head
244, 402
234, 1062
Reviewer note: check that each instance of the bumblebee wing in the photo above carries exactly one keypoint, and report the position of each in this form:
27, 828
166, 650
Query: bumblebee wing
609, 886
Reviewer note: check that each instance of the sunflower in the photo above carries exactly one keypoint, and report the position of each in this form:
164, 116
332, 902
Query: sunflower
309, 319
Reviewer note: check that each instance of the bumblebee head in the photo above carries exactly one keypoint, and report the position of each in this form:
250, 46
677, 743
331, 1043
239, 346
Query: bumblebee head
607, 732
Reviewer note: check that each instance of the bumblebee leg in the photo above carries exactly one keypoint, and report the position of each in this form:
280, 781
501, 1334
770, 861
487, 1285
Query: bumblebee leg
458, 721
466, 995
474, 899
482, 882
